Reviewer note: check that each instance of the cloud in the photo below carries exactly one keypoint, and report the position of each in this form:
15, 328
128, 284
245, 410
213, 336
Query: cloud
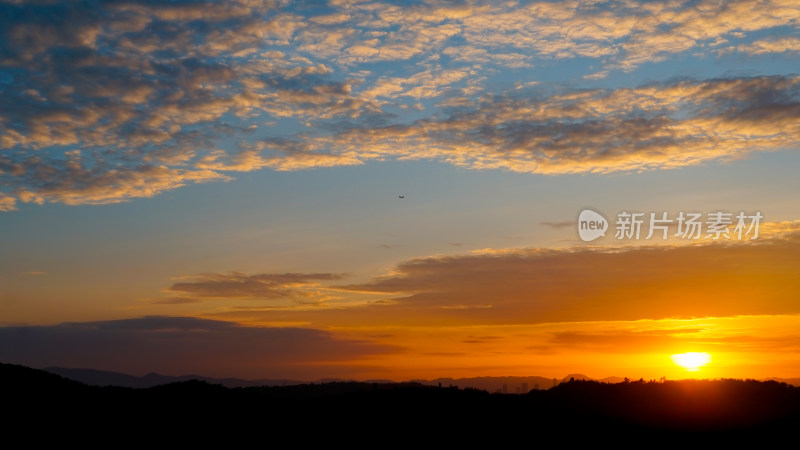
474, 55
74, 184
428, 83
622, 34
632, 284
740, 334
779, 45
627, 341
7, 202
182, 345
660, 126
532, 286
559, 225
237, 285
102, 103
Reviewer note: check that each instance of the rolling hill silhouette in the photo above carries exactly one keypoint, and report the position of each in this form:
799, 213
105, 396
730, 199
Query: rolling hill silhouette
722, 409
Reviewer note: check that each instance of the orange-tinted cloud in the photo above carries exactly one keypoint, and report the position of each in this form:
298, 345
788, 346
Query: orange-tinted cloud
760, 47
104, 103
655, 126
101, 101
530, 286
237, 285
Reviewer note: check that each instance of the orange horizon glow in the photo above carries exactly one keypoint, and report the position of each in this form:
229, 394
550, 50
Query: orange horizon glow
691, 361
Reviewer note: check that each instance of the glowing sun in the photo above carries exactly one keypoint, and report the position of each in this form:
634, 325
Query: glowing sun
691, 361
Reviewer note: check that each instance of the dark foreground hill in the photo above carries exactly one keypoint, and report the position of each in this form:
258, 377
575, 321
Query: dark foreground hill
401, 412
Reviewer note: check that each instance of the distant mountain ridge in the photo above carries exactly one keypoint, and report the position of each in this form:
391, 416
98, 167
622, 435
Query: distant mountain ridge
94, 377
511, 385
508, 384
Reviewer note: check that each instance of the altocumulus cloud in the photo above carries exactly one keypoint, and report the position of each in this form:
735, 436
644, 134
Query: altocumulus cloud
105, 101
181, 345
657, 126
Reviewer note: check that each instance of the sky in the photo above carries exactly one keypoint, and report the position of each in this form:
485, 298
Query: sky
367, 189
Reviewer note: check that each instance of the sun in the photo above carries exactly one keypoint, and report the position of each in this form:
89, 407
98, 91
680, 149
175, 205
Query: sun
691, 361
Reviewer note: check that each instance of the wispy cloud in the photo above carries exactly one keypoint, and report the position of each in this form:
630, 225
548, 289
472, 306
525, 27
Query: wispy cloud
559, 225
33, 273
532, 286
674, 339
237, 285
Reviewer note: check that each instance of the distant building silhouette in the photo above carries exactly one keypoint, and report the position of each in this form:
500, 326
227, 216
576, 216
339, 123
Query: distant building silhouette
524, 388
505, 388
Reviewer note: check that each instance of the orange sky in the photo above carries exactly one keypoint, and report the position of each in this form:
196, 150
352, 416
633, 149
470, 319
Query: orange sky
597, 311
370, 189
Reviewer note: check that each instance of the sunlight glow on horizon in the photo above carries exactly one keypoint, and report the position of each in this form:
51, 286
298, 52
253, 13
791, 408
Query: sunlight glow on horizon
691, 361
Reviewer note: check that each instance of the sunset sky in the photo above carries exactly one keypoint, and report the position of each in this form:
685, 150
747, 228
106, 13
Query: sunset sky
214, 187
